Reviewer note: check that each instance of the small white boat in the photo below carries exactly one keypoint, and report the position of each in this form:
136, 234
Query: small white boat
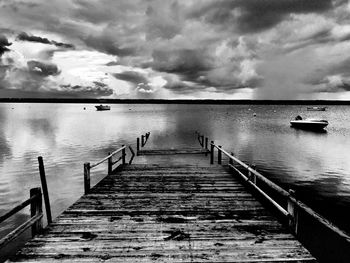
308, 124
103, 107
316, 108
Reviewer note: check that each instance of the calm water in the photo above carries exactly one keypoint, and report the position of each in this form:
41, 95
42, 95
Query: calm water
316, 165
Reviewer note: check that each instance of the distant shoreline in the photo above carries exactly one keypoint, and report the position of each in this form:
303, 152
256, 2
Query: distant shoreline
180, 101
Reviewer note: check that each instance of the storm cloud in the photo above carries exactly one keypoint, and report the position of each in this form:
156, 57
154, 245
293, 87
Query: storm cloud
255, 15
4, 43
172, 48
42, 69
25, 37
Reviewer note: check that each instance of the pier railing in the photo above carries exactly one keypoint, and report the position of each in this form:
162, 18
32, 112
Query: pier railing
35, 221
291, 209
111, 161
144, 139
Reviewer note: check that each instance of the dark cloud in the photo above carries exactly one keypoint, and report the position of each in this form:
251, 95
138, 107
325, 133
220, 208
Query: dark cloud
25, 37
42, 69
131, 76
4, 43
255, 15
108, 44
112, 63
188, 64
97, 90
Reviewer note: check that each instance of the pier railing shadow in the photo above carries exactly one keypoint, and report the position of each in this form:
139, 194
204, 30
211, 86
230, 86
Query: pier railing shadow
325, 240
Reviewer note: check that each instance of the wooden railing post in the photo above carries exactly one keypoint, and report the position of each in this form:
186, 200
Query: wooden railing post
231, 162
86, 178
45, 190
142, 140
293, 213
36, 208
212, 152
110, 165
219, 155
202, 140
252, 176
123, 155
137, 146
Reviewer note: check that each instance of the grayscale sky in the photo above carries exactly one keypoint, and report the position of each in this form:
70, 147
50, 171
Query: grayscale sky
216, 49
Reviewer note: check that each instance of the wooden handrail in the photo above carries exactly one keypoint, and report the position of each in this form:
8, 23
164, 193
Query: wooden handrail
321, 219
271, 184
19, 230
88, 166
290, 213
35, 202
273, 202
17, 208
106, 158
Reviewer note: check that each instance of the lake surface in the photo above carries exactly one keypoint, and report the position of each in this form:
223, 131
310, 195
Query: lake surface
316, 165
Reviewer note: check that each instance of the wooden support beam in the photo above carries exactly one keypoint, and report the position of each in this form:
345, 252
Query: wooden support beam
45, 190
231, 162
86, 178
110, 164
142, 140
36, 208
123, 154
132, 155
293, 213
219, 155
137, 145
212, 152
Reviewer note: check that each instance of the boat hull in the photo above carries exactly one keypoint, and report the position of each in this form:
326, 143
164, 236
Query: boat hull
316, 108
309, 125
102, 107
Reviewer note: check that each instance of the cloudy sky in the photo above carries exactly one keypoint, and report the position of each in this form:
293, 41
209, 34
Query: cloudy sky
217, 49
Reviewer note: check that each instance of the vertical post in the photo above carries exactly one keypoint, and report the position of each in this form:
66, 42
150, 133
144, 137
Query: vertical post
202, 140
206, 146
110, 164
142, 140
45, 190
212, 152
231, 162
86, 178
36, 208
219, 155
293, 212
253, 176
123, 155
137, 146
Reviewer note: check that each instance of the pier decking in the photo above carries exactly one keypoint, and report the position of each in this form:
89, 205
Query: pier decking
162, 211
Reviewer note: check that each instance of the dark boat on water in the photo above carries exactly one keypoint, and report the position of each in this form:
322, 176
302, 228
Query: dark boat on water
308, 124
316, 108
103, 107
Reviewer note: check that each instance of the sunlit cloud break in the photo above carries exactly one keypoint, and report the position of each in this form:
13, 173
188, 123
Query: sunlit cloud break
223, 49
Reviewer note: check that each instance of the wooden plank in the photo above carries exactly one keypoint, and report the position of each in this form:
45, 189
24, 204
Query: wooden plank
172, 152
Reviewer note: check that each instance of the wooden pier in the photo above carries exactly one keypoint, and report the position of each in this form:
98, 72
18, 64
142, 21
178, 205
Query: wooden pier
170, 208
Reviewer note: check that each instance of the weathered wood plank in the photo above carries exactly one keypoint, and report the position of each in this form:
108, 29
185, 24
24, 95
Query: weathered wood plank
173, 151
